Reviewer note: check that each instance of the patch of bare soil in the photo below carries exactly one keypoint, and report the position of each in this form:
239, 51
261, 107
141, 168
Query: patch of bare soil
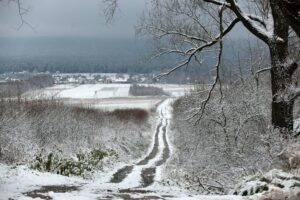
148, 175
40, 193
121, 174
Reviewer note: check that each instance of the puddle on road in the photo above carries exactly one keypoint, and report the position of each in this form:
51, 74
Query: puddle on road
42, 192
148, 175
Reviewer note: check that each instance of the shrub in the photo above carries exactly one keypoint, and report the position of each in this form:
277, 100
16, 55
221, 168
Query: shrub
28, 126
140, 90
233, 138
81, 165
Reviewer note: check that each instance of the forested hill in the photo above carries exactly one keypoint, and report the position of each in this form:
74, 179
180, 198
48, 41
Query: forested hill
88, 55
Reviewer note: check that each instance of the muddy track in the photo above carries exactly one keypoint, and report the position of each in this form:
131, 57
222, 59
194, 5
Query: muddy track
43, 191
154, 151
160, 153
148, 175
121, 174
166, 151
132, 181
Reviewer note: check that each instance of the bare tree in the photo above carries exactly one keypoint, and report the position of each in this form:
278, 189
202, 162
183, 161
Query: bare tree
22, 10
191, 27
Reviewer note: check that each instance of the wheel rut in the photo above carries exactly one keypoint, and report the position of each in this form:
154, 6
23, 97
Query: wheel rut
132, 181
166, 151
146, 169
154, 151
121, 174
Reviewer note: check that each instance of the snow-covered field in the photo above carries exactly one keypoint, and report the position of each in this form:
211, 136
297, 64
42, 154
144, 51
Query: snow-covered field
126, 103
106, 96
101, 91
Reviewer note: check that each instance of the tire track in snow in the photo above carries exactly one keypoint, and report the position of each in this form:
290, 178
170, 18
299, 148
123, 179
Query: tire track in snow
166, 151
148, 174
154, 151
122, 173
135, 181
146, 169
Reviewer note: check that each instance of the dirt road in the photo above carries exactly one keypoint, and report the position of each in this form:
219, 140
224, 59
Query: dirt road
139, 180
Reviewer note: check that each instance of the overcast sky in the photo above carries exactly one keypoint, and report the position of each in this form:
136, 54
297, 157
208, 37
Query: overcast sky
82, 18
77, 18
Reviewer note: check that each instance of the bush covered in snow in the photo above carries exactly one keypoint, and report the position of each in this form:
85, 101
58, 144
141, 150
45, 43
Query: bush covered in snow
26, 127
233, 139
80, 165
264, 182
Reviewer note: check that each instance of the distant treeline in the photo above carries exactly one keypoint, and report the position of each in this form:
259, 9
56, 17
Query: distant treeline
85, 65
15, 88
141, 90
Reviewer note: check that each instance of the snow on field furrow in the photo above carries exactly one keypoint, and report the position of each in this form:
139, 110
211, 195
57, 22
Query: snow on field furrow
89, 91
113, 104
82, 91
61, 87
110, 90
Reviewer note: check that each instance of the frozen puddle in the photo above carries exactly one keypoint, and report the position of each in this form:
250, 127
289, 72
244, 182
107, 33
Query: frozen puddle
140, 180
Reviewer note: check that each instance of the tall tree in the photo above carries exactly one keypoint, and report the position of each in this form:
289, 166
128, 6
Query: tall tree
193, 26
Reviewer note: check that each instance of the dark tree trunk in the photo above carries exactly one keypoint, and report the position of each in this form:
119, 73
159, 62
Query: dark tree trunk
281, 79
291, 11
281, 76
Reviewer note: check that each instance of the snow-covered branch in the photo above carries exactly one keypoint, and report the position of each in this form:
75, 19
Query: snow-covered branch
250, 24
192, 52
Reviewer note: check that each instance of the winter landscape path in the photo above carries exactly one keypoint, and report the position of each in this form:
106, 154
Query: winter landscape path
139, 180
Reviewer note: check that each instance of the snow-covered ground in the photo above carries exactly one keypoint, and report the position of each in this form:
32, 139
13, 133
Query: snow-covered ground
96, 91
22, 183
126, 103
100, 91
106, 96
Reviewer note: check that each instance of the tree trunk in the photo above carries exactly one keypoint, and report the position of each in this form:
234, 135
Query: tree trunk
291, 11
281, 76
281, 79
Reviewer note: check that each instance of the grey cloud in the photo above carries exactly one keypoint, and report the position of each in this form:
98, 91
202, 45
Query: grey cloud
71, 18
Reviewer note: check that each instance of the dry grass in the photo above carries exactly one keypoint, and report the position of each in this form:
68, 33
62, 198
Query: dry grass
26, 127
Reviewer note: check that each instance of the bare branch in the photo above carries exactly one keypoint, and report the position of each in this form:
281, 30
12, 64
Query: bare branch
218, 64
182, 64
262, 70
110, 9
23, 11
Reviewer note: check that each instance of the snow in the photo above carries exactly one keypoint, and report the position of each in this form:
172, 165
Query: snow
17, 180
101, 91
126, 103
14, 182
106, 96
